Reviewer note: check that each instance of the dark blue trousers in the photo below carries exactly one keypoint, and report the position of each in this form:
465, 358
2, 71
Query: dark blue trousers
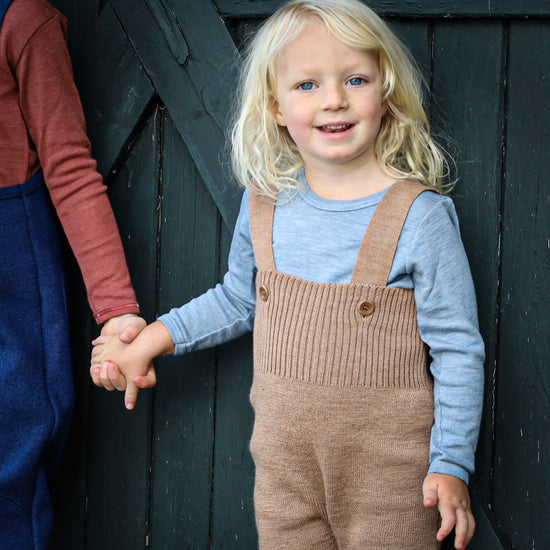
36, 387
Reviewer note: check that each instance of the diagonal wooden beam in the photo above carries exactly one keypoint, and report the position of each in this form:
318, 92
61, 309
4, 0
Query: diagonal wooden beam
114, 88
190, 58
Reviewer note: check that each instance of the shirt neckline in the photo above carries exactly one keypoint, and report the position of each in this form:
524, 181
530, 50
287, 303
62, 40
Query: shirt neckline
320, 203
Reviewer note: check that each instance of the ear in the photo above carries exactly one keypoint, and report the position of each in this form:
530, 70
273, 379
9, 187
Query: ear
278, 115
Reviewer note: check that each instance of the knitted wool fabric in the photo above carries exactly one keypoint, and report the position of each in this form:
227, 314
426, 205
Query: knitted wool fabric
343, 399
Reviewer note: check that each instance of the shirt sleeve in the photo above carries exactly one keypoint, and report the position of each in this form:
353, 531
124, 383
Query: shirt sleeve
51, 107
447, 317
225, 311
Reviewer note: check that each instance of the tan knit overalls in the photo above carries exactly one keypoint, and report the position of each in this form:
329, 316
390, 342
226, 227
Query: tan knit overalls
343, 399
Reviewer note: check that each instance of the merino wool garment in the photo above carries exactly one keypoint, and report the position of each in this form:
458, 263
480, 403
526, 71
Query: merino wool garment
36, 383
343, 399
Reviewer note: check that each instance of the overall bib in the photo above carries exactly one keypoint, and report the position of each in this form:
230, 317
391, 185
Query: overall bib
343, 399
36, 386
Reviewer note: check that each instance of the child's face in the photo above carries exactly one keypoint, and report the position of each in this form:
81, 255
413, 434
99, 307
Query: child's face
329, 98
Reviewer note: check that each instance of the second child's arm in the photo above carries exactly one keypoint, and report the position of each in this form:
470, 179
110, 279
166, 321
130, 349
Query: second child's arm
216, 316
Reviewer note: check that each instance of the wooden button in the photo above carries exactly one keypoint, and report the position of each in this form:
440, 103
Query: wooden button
366, 308
263, 292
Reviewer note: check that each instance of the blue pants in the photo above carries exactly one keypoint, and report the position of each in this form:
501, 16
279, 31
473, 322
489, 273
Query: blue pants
36, 387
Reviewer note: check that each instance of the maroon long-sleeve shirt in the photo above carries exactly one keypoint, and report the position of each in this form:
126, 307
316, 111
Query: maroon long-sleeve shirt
42, 125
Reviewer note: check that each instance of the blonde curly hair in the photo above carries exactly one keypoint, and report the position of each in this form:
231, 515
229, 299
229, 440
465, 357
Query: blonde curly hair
266, 160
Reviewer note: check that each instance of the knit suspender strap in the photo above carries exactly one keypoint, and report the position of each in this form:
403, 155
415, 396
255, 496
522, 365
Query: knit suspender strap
262, 210
378, 248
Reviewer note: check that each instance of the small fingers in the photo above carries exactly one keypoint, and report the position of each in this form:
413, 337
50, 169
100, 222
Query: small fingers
95, 372
105, 378
448, 521
460, 518
101, 339
130, 397
108, 376
97, 356
465, 527
116, 377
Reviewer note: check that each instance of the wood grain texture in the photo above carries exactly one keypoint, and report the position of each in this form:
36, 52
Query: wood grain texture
156, 79
196, 89
183, 439
120, 441
116, 93
410, 8
522, 432
469, 107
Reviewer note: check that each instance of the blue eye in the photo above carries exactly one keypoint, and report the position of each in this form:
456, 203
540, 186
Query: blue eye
306, 86
356, 81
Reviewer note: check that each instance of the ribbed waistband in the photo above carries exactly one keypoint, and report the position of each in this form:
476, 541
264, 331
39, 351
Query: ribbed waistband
347, 335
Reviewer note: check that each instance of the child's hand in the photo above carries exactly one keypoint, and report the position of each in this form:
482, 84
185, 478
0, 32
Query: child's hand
126, 327
130, 366
451, 496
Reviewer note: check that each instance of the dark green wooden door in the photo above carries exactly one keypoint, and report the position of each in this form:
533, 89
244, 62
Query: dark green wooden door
156, 82
157, 78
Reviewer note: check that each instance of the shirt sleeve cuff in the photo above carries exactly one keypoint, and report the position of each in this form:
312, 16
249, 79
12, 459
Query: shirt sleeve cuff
451, 470
106, 314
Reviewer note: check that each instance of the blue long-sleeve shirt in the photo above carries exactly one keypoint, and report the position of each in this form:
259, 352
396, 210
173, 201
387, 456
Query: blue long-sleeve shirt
318, 240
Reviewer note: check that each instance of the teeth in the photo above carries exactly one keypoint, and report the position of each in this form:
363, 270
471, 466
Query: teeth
335, 127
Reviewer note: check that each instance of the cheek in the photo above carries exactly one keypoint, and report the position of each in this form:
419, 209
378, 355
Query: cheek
374, 109
374, 114
297, 117
298, 128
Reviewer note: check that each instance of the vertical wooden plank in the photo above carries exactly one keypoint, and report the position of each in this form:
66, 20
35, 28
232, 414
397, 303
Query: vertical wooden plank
119, 441
485, 537
522, 439
416, 36
233, 524
81, 17
70, 492
184, 401
467, 88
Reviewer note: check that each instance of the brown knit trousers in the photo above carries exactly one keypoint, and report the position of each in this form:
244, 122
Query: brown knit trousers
343, 400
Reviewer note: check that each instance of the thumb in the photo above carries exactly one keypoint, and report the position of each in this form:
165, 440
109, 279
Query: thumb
429, 490
131, 328
147, 381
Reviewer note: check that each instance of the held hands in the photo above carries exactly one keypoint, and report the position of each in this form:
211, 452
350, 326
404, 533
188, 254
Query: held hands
126, 327
115, 335
451, 496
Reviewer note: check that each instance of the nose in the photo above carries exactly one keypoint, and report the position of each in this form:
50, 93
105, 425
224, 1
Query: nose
334, 98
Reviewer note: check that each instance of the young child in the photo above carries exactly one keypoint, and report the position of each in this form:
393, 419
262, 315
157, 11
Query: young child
348, 264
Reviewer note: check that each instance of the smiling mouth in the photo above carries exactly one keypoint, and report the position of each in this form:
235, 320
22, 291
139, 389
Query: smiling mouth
335, 128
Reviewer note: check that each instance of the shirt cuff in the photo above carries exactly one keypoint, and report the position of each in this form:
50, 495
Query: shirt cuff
106, 314
451, 470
